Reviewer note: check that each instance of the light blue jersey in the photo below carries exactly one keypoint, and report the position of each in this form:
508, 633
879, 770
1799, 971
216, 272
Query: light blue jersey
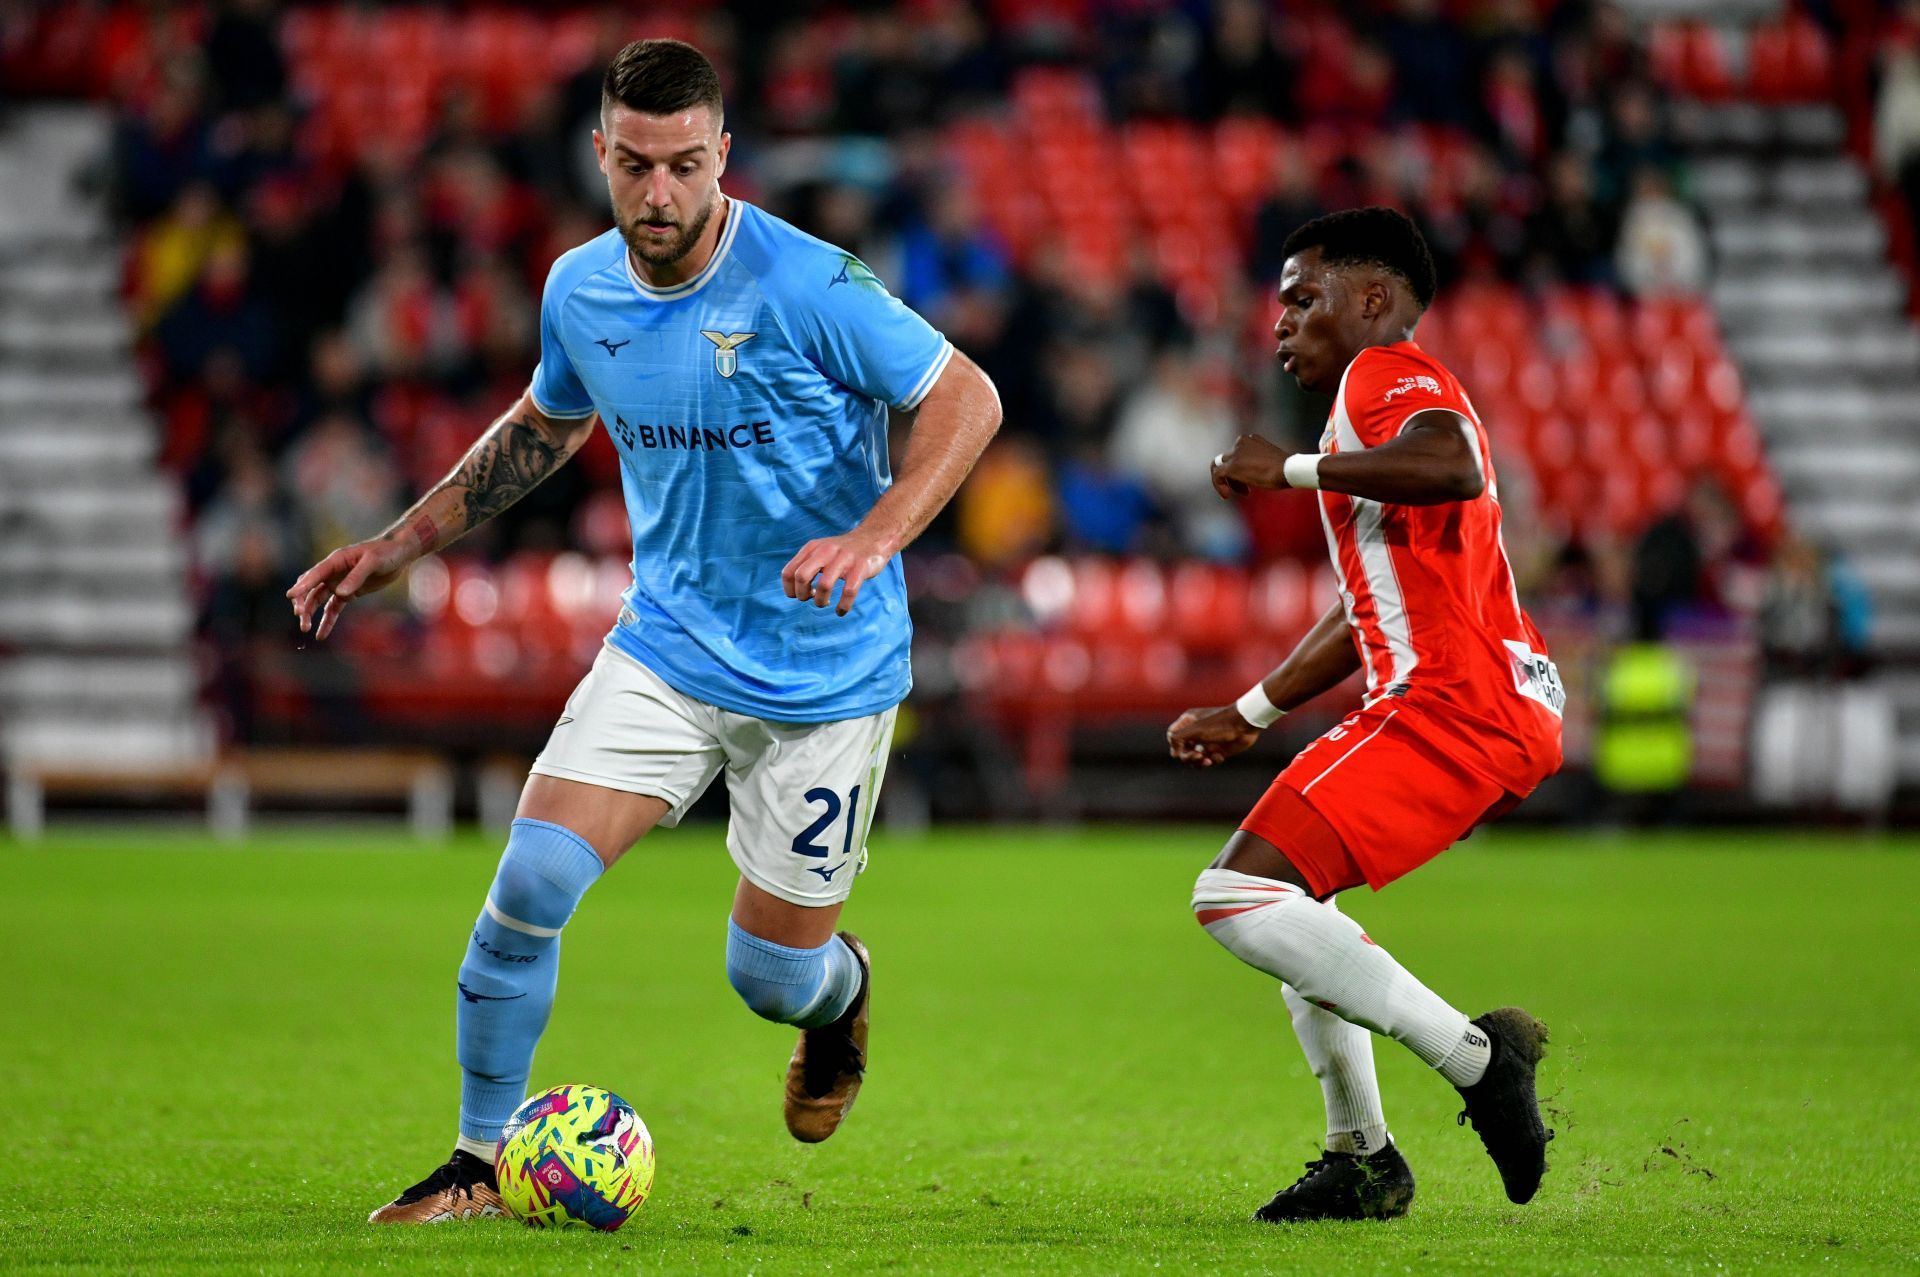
749, 406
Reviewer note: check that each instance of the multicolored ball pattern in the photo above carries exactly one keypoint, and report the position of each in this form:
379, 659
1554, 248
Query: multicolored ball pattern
574, 1157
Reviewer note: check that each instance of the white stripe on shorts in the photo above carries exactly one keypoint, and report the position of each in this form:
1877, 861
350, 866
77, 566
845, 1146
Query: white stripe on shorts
1350, 752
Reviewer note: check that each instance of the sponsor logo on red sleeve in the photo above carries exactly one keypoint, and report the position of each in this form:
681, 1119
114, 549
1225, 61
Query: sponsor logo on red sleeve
1410, 384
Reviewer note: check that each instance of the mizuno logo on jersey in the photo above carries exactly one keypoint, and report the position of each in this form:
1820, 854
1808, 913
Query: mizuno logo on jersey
854, 271
613, 347
726, 355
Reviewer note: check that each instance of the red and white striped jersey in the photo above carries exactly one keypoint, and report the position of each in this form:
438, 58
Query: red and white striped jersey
1428, 590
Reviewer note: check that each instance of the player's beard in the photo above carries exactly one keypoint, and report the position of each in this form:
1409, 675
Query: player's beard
657, 253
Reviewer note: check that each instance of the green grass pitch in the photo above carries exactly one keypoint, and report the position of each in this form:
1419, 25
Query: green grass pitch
221, 1059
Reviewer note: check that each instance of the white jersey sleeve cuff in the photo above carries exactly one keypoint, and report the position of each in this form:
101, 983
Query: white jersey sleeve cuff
927, 379
555, 414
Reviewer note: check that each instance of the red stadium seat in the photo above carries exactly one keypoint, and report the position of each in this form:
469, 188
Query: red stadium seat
410, 43
1245, 152
306, 30
1013, 663
1770, 76
1650, 441
1790, 62
1621, 505
1140, 595
571, 41
1208, 606
1492, 312
1555, 444
1121, 669
1763, 505
1491, 368
1627, 389
1600, 315
1536, 386
473, 599
527, 612
1602, 435
1720, 383
1049, 96
571, 587
1280, 602
1094, 606
1707, 70
1736, 443
1689, 439
1667, 50
1672, 378
1811, 58
1254, 660
1066, 665
1578, 375
1691, 59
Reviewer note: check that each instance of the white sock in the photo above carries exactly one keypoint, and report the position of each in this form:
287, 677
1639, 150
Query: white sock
1341, 1056
1331, 962
482, 1149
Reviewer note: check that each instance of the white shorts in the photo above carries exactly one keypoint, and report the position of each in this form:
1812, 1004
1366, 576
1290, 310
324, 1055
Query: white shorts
802, 794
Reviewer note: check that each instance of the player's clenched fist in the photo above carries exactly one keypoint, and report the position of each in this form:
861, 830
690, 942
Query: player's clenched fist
1204, 737
1251, 463
825, 562
342, 576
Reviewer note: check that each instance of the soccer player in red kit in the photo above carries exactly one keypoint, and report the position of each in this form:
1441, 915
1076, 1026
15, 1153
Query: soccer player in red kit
1461, 717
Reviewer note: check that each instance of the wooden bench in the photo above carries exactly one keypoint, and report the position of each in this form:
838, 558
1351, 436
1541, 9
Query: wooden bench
422, 780
28, 788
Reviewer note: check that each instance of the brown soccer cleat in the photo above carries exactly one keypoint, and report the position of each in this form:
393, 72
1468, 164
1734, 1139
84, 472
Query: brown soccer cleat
464, 1188
823, 1078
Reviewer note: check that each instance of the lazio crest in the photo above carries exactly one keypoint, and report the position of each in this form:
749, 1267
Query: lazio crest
726, 353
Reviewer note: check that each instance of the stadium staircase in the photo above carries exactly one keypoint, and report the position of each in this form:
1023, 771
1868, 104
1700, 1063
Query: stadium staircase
1815, 314
96, 665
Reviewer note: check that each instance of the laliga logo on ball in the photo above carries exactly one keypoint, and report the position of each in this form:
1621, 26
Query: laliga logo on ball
553, 1174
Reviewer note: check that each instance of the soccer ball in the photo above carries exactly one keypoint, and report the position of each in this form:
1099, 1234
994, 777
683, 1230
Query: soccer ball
574, 1157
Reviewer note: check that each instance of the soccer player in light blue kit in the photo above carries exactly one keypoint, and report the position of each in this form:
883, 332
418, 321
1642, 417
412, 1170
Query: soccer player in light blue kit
745, 371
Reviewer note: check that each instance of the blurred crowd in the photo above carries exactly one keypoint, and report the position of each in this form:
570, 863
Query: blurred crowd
327, 327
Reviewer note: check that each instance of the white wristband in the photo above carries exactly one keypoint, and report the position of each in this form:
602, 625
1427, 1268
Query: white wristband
1256, 708
1302, 469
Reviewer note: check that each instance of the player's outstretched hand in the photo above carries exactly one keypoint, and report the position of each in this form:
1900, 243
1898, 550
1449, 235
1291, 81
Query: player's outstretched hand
825, 562
1204, 737
329, 585
1251, 463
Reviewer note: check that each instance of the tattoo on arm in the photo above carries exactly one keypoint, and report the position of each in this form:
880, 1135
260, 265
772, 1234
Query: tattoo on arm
425, 532
504, 466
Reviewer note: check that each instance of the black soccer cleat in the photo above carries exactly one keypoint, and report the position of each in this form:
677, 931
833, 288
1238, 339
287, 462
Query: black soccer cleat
1345, 1186
1503, 1106
461, 1188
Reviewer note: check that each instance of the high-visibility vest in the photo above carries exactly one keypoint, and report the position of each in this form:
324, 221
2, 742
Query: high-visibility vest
1645, 743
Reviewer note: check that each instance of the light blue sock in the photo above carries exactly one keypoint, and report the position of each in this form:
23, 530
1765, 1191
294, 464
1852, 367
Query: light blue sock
806, 988
512, 965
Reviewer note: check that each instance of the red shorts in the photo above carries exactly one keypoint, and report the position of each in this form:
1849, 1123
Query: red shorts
1371, 800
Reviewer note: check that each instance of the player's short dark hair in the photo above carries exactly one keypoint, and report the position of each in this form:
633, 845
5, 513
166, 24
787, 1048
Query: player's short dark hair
1382, 237
661, 77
